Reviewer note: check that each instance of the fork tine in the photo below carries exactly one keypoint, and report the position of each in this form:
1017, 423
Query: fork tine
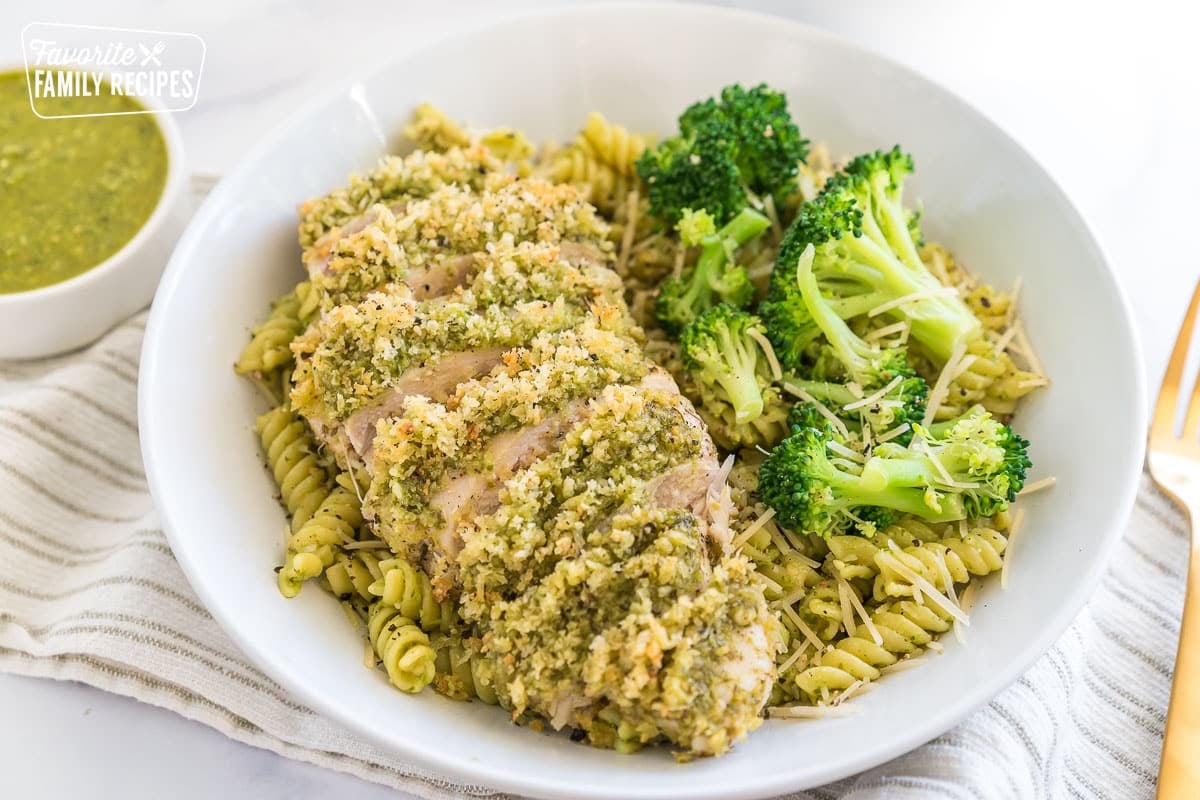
1168, 395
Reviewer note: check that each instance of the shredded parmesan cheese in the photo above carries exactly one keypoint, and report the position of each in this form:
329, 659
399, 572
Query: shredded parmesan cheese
847, 609
793, 658
1005, 338
768, 351
809, 635
941, 388
1006, 558
846, 452
1011, 317
773, 215
822, 409
810, 712
915, 297
893, 433
879, 395
862, 612
780, 542
887, 330
927, 589
1037, 486
753, 528
1035, 364
903, 664
968, 599
942, 472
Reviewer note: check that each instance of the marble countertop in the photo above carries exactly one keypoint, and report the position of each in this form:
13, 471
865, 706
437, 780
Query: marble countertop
1104, 98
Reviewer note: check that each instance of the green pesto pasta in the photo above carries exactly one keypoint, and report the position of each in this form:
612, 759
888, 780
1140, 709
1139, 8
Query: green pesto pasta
402, 647
270, 342
291, 452
408, 589
313, 547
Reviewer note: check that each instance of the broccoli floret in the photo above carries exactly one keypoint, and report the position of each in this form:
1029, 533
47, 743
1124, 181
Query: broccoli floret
695, 227
745, 140
791, 326
693, 171
767, 145
985, 460
862, 243
904, 402
715, 278
867, 365
816, 491
720, 349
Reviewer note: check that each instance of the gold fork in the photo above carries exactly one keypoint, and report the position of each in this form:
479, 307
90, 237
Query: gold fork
1174, 462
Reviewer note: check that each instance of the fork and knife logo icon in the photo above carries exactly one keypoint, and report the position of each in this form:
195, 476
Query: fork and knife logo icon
152, 54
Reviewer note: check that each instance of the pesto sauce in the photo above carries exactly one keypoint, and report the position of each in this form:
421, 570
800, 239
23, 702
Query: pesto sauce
72, 191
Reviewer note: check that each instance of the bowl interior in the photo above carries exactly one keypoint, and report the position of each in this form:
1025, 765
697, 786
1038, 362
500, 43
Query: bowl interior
982, 195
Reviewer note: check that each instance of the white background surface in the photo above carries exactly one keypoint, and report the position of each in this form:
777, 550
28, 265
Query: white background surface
1105, 96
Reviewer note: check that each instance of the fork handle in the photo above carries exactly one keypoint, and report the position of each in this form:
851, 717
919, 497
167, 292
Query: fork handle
1179, 775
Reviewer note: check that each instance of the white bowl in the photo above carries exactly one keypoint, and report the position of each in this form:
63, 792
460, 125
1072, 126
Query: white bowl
64, 316
983, 195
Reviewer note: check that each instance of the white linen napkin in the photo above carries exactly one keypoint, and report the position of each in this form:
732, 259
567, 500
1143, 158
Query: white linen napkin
90, 592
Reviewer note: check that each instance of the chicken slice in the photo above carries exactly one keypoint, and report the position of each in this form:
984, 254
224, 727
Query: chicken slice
436, 381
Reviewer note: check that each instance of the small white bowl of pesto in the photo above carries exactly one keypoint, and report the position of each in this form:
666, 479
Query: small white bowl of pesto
90, 208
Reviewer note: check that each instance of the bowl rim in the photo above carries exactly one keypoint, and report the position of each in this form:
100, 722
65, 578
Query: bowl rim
167, 198
514, 779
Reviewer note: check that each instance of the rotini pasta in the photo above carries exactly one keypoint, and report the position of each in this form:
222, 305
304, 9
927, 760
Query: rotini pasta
403, 648
408, 589
291, 452
896, 630
465, 675
269, 347
314, 545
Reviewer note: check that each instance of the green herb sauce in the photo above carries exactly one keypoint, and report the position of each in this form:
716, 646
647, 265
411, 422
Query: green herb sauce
72, 191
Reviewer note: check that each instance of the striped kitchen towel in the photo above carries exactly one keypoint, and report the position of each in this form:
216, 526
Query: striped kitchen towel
90, 592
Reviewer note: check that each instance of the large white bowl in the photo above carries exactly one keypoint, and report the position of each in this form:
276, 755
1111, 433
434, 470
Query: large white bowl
983, 195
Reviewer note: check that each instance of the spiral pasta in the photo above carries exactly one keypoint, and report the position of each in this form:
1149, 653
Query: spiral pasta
890, 560
464, 675
942, 563
408, 589
269, 348
352, 574
402, 646
292, 457
901, 628
612, 144
314, 546
431, 129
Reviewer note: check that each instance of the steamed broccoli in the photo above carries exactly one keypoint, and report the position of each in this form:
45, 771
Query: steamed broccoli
744, 141
984, 458
721, 351
714, 279
867, 365
904, 402
767, 145
974, 467
862, 243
